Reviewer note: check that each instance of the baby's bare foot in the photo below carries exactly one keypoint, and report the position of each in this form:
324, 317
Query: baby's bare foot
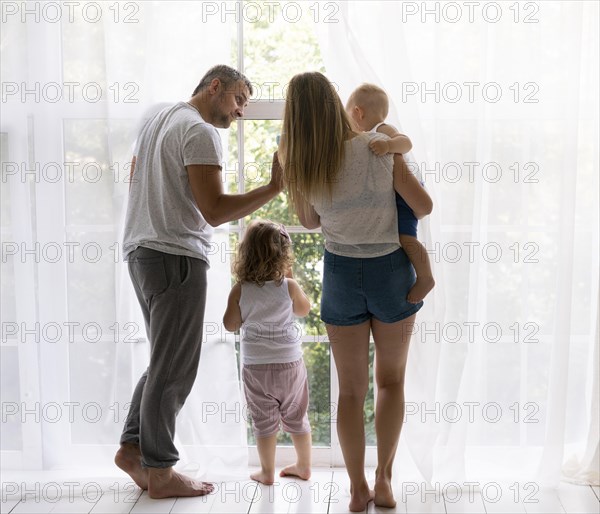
129, 459
294, 470
263, 477
419, 291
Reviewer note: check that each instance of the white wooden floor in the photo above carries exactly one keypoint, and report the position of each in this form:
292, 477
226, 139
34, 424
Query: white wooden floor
326, 492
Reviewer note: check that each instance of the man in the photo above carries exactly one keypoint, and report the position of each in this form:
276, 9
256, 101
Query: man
176, 198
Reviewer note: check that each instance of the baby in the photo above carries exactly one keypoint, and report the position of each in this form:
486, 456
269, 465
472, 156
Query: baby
367, 108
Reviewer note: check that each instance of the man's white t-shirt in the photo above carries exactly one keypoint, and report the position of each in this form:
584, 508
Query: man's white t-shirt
162, 213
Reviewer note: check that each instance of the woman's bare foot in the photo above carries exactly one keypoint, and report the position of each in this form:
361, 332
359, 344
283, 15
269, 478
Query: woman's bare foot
129, 459
167, 483
294, 470
360, 498
263, 477
384, 496
420, 289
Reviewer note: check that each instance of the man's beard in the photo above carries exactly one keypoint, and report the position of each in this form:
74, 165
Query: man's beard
223, 119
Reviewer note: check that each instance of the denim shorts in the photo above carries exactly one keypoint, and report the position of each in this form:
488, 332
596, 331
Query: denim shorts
356, 289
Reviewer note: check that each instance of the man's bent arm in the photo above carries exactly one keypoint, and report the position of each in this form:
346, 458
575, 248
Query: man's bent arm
218, 207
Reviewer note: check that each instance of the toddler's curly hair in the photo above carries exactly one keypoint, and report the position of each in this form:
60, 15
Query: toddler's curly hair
265, 253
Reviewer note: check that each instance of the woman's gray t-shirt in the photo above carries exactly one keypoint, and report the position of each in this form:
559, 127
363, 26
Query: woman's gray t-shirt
360, 220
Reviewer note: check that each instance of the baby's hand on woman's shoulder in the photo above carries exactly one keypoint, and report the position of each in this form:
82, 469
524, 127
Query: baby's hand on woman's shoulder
379, 146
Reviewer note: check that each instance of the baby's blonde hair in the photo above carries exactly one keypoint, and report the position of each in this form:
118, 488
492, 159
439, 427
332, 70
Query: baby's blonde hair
264, 254
371, 98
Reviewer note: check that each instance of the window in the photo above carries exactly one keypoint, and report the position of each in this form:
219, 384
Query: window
272, 53
77, 339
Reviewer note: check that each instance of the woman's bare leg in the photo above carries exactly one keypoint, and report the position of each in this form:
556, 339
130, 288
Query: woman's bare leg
391, 352
350, 347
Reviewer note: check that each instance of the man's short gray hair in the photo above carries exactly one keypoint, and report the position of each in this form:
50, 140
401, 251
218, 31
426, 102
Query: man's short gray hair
226, 74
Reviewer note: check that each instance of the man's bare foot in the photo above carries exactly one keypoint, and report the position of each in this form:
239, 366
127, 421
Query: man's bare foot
294, 470
384, 496
263, 477
167, 483
419, 291
360, 499
129, 459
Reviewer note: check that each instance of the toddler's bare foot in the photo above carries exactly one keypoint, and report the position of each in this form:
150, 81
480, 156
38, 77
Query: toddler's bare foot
360, 498
419, 291
167, 483
129, 459
263, 477
384, 496
294, 470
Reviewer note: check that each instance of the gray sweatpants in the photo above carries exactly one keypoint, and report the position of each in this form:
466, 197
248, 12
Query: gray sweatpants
171, 290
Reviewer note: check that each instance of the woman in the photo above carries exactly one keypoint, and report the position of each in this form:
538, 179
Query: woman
334, 181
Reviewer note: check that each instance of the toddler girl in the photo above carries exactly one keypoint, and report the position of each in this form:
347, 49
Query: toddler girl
263, 304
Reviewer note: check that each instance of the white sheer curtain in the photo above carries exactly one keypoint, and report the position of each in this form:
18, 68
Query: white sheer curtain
66, 382
73, 342
502, 106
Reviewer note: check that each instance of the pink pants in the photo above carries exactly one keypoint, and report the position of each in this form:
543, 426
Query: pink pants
277, 393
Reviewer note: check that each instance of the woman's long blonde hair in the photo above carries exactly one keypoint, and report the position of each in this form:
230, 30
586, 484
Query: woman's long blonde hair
315, 126
264, 254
